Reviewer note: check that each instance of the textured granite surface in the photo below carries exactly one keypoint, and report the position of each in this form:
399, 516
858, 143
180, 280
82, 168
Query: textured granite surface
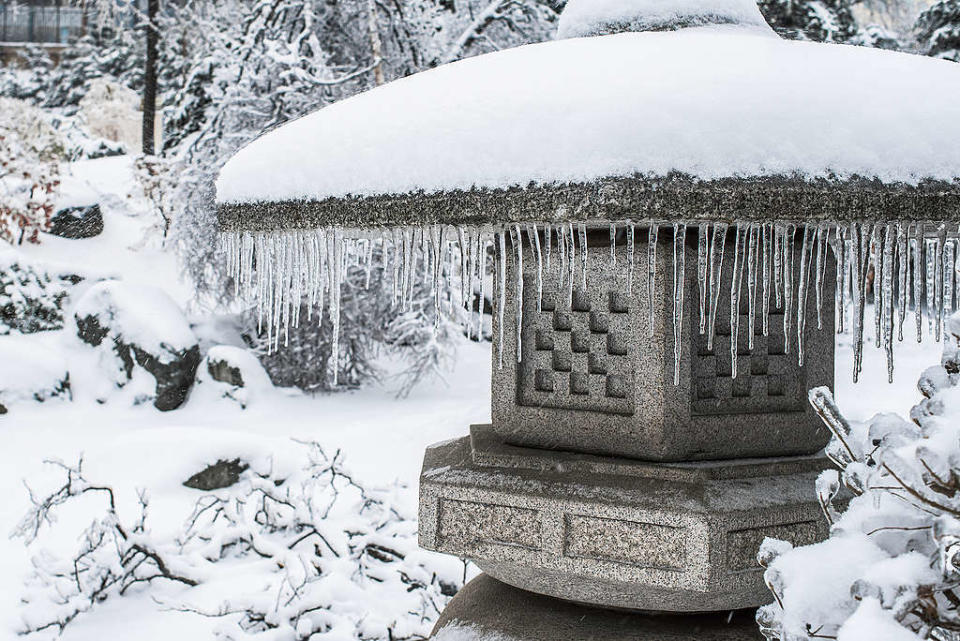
672, 537
593, 378
674, 197
494, 610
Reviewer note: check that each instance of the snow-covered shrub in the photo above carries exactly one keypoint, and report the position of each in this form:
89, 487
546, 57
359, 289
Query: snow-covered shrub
31, 297
112, 112
891, 566
938, 30
158, 176
818, 20
308, 554
30, 154
38, 374
231, 373
140, 326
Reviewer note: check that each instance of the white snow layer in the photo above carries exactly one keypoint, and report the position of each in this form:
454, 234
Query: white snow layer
712, 102
594, 17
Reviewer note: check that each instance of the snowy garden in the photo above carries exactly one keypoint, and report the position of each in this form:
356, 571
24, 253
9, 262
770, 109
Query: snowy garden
258, 256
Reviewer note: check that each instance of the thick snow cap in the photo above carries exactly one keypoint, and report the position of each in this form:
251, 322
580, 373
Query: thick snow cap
600, 17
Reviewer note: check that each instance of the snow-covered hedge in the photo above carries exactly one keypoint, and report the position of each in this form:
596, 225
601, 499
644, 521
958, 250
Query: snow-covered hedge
891, 567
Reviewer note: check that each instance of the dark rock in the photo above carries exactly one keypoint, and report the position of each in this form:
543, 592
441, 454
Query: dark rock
77, 222
32, 299
219, 475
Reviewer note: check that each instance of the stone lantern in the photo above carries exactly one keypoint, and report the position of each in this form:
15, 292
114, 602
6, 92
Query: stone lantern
682, 210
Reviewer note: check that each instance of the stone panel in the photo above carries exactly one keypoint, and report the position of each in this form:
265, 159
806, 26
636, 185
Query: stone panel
742, 545
643, 544
469, 523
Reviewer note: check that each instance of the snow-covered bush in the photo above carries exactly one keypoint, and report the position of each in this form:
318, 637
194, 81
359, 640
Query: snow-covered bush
30, 155
938, 30
310, 554
818, 20
891, 566
31, 297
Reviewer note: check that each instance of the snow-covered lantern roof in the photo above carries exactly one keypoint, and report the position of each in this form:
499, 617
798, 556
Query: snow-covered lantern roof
642, 113
705, 113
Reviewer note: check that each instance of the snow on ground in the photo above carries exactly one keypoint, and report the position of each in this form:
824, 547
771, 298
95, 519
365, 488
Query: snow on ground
712, 102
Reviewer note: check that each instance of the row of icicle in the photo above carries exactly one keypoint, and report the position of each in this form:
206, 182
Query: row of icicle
907, 266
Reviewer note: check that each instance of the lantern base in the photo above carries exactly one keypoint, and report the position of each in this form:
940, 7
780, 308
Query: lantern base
488, 610
617, 533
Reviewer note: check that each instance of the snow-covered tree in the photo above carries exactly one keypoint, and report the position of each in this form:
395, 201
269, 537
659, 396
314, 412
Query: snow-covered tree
30, 155
938, 30
818, 20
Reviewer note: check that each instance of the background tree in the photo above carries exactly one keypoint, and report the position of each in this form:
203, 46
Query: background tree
938, 30
819, 20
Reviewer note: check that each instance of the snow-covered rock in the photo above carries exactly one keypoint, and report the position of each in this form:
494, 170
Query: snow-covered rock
711, 102
140, 326
30, 372
32, 297
232, 373
599, 17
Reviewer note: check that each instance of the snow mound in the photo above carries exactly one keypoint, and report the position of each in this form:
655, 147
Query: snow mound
228, 372
31, 371
712, 102
598, 17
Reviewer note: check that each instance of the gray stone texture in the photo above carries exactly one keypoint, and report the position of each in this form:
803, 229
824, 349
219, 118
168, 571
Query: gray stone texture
675, 197
77, 222
678, 537
488, 610
593, 378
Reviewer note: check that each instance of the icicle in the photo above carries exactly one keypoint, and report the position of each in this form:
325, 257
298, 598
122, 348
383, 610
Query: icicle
562, 248
465, 280
821, 240
703, 233
547, 233
886, 288
753, 232
778, 244
369, 263
903, 261
502, 288
436, 246
838, 245
717, 245
482, 275
652, 272
948, 277
571, 263
679, 271
534, 237
516, 237
630, 256
788, 301
803, 286
939, 249
918, 276
613, 245
767, 242
736, 280
876, 249
582, 230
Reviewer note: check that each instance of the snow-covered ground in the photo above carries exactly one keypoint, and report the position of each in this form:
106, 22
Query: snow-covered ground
131, 447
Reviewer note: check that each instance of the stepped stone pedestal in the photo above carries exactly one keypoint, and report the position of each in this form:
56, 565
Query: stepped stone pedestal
601, 481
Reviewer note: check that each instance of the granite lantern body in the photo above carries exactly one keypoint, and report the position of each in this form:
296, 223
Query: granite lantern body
624, 189
608, 475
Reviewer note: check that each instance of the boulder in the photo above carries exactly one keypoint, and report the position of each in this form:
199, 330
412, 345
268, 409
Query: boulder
40, 373
232, 373
31, 297
77, 222
142, 327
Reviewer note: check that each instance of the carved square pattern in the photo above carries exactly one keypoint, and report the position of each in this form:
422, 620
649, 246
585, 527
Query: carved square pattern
576, 352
